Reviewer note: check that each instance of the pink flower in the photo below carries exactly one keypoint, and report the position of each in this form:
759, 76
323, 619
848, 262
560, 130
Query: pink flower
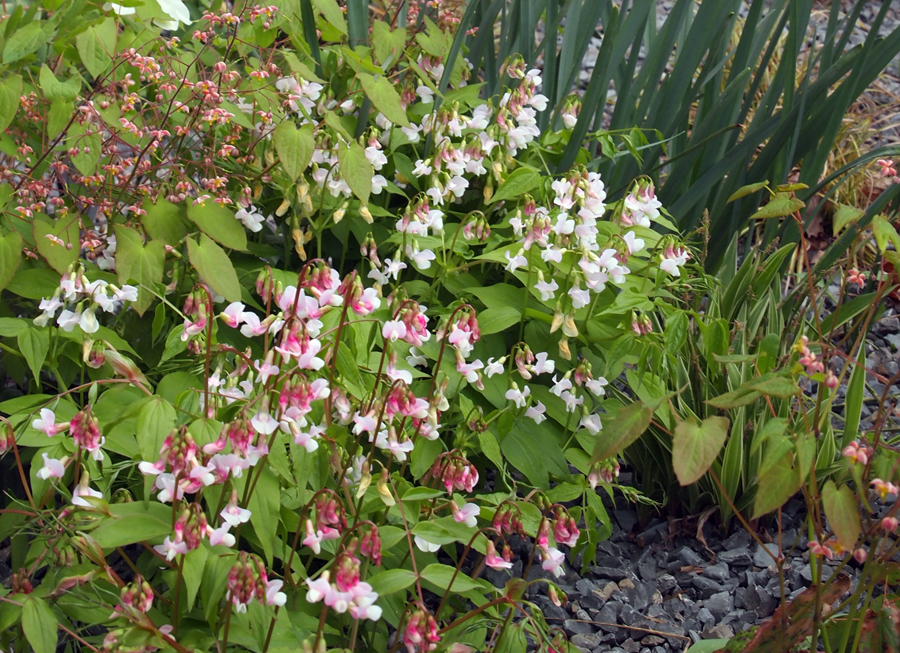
233, 315
234, 514
494, 561
47, 423
889, 524
221, 536
52, 468
393, 330
273, 594
553, 561
467, 514
822, 550
313, 538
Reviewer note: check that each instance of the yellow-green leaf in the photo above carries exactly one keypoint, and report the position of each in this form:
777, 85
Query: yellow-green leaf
385, 98
58, 242
10, 255
294, 146
842, 512
780, 205
218, 222
356, 170
696, 446
10, 93
214, 267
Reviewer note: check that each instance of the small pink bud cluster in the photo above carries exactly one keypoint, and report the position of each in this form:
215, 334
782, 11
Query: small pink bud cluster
808, 358
606, 470
477, 229
551, 558
190, 528
85, 431
370, 545
508, 520
195, 320
137, 596
641, 324
565, 529
421, 632
455, 472
247, 580
7, 437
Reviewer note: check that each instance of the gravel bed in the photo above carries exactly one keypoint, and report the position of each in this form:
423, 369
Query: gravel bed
651, 591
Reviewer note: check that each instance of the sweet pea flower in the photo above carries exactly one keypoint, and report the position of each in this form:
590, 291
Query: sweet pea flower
46, 423
53, 468
467, 514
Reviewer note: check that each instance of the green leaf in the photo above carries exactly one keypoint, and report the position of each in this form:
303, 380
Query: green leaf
517, 184
34, 343
421, 494
155, 420
842, 512
88, 143
214, 267
388, 44
10, 94
219, 223
743, 191
391, 580
59, 255
385, 98
194, 562
10, 256
696, 446
774, 427
780, 205
774, 385
356, 170
53, 88
854, 401
24, 41
440, 575
96, 45
626, 426
775, 487
264, 505
39, 625
59, 116
11, 327
490, 447
885, 233
676, 332
332, 13
533, 451
164, 221
777, 449
294, 146
143, 264
494, 320
845, 215
133, 522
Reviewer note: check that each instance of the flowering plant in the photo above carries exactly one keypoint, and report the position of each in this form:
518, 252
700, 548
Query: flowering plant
230, 441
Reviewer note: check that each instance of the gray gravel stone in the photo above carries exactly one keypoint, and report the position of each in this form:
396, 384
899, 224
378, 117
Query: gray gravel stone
573, 627
763, 559
718, 571
586, 642
719, 604
735, 557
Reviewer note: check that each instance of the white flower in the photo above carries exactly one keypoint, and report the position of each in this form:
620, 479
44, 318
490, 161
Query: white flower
518, 396
251, 218
52, 468
634, 243
467, 514
175, 9
493, 367
536, 412
515, 262
592, 423
546, 289
426, 546
596, 386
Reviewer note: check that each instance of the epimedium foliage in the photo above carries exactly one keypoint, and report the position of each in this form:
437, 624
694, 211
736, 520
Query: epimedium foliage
304, 350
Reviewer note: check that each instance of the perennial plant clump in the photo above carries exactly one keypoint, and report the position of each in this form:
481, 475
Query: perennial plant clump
305, 342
